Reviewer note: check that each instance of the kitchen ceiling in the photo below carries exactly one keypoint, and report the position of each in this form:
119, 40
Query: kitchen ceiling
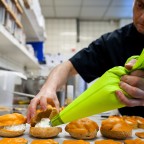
87, 9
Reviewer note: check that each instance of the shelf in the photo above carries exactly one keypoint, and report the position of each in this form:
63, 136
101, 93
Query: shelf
34, 32
12, 13
16, 52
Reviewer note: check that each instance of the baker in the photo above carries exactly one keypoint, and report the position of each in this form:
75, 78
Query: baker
110, 50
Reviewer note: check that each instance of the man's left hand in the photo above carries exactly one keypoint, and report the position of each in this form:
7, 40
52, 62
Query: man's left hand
133, 85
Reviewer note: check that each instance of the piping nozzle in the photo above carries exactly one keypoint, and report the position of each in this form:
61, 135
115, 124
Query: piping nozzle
55, 121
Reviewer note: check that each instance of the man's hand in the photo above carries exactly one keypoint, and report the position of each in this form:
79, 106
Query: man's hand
132, 84
47, 95
43, 98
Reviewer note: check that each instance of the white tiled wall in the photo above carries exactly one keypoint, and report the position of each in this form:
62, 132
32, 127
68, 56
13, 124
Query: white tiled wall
91, 30
61, 35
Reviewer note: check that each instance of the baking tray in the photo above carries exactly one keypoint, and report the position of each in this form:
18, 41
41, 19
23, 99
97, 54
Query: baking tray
65, 136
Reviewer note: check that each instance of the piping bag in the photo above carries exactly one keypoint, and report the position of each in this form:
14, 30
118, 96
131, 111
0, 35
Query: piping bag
100, 96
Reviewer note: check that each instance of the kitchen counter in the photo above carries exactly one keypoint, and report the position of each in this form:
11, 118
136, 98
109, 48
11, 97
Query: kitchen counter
65, 136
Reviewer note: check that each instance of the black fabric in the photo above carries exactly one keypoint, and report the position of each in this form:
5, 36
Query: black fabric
111, 49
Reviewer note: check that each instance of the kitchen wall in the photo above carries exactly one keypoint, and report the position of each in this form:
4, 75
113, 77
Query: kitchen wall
62, 34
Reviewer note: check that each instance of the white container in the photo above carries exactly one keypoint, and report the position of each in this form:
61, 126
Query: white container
70, 94
7, 85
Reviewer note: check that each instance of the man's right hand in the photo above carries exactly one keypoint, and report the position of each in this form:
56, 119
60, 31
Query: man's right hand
42, 99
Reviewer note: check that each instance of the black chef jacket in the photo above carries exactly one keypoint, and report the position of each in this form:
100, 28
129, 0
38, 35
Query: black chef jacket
110, 50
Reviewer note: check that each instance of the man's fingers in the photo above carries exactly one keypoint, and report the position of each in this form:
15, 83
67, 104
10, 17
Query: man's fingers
134, 81
57, 105
130, 64
129, 102
43, 102
138, 73
32, 108
132, 91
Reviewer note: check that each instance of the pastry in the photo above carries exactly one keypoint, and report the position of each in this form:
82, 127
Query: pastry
135, 141
40, 124
12, 125
140, 121
115, 128
13, 141
130, 120
49, 141
107, 142
82, 129
140, 134
75, 142
48, 113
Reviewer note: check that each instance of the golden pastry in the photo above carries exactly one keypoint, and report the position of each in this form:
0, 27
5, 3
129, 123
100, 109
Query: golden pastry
12, 125
75, 142
40, 126
13, 141
135, 141
107, 142
49, 141
115, 128
140, 134
82, 129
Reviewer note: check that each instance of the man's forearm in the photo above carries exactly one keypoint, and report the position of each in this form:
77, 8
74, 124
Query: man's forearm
59, 75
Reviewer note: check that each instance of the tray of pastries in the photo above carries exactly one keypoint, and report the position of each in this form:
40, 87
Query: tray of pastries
90, 130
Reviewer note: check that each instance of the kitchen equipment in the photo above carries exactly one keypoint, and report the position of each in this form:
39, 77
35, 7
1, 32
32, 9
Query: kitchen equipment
99, 97
33, 84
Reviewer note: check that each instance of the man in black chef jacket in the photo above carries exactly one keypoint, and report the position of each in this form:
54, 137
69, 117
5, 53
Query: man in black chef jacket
110, 50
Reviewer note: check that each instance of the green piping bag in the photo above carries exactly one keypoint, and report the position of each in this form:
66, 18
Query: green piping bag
100, 96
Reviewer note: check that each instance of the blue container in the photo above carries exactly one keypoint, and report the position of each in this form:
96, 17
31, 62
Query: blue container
38, 49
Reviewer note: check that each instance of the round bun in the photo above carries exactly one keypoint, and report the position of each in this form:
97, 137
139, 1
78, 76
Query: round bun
13, 141
44, 130
75, 142
140, 134
133, 141
107, 142
12, 119
12, 125
131, 121
49, 141
82, 129
50, 112
10, 133
48, 132
140, 121
115, 128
